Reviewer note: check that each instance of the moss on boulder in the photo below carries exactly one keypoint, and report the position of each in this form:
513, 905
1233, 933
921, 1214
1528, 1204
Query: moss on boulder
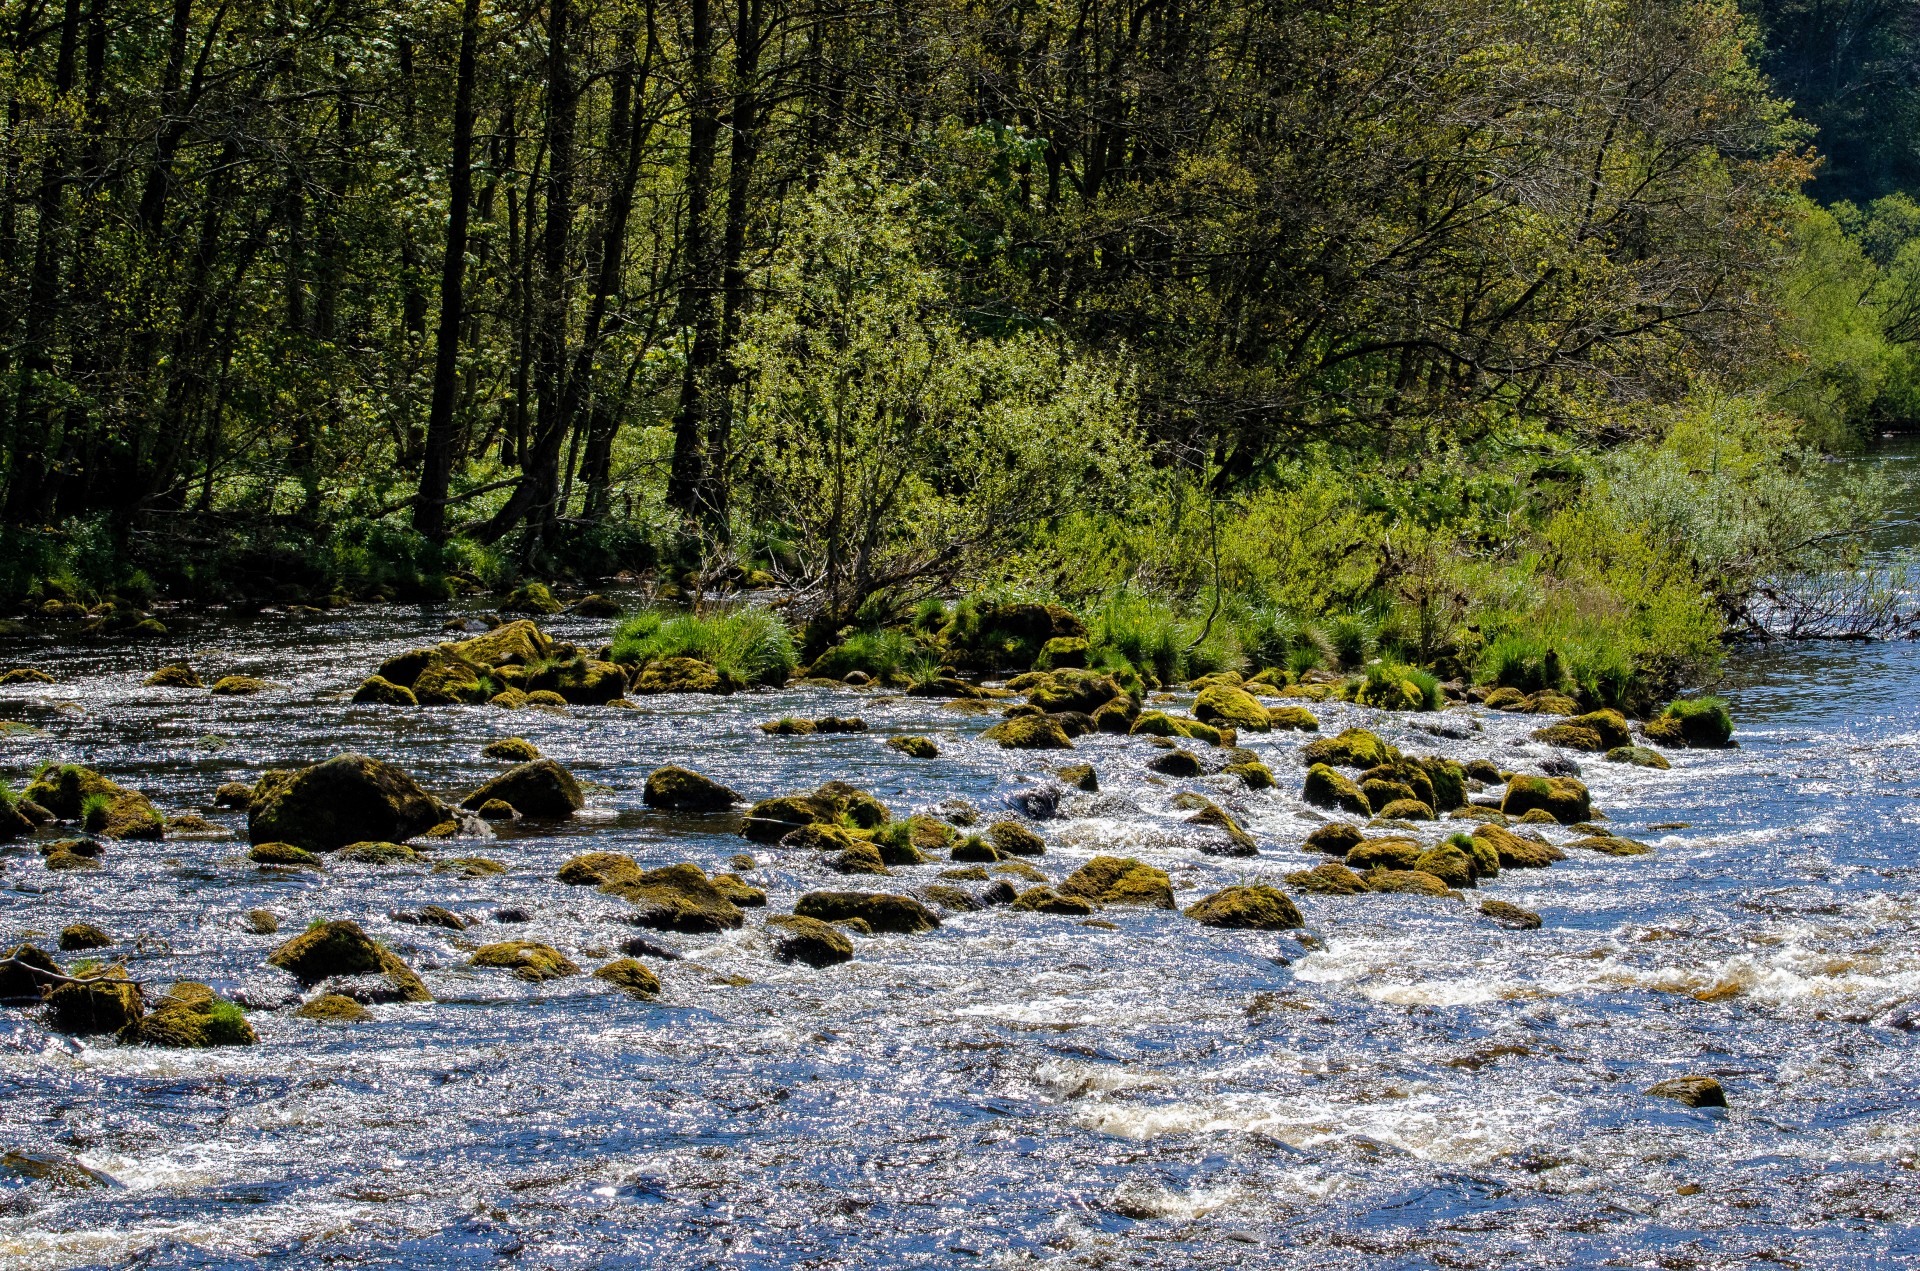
630, 976
333, 1008
1227, 706
1015, 839
348, 799
592, 869
192, 1016
1252, 774
683, 790
677, 898
285, 855
1336, 838
1704, 722
541, 789
1408, 881
73, 793
1256, 907
376, 853
528, 960
914, 747
1352, 748
1075, 690
683, 675
178, 675
1177, 763
881, 911
1238, 841
1449, 863
1516, 852
514, 749
79, 936
105, 1002
1507, 914
1565, 799
1330, 879
1120, 880
1326, 788
520, 642
1639, 757
1029, 732
797, 938
1293, 718
237, 686
375, 691
340, 947
1045, 900
18, 982
1383, 853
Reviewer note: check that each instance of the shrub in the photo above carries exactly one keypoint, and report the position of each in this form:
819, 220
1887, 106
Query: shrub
750, 644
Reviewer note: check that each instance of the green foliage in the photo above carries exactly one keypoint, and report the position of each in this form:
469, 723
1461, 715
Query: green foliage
1143, 633
749, 643
93, 811
883, 655
227, 1024
1704, 719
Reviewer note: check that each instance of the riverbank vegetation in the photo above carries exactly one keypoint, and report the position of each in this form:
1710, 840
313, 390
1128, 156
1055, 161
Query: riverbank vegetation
1501, 341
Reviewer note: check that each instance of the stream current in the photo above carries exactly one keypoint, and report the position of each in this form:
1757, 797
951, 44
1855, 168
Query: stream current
1424, 1089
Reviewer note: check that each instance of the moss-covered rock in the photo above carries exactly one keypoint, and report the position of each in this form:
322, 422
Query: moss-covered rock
1505, 698
683, 675
375, 691
1115, 716
1177, 763
591, 869
1353, 748
1326, 788
924, 834
881, 911
1383, 853
1330, 879
531, 598
1516, 852
376, 853
450, 680
858, 857
348, 799
1703, 722
340, 947
177, 675
773, 820
83, 935
192, 1016
518, 643
333, 1008
1237, 842
580, 681
677, 898
1120, 880
1030, 732
975, 848
233, 794
1224, 705
1257, 907
237, 686
285, 855
1045, 900
1570, 737
527, 959
1336, 838
106, 1002
807, 940
683, 790
788, 727
1062, 651
1609, 725
1015, 839
1446, 780
1380, 792
74, 793
1252, 775
547, 699
1405, 810
404, 668
630, 976
1506, 914
541, 789
1414, 882
1639, 757
914, 747
739, 891
1611, 845
1549, 702
1565, 799
18, 979
1450, 864
1293, 718
1075, 690
512, 749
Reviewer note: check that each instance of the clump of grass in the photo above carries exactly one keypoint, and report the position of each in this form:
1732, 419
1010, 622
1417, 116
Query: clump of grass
1396, 686
881, 654
227, 1025
1523, 662
750, 644
1353, 637
1155, 639
93, 811
1703, 719
930, 615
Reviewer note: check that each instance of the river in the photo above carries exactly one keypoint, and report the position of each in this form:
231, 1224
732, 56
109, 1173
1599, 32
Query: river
1410, 1086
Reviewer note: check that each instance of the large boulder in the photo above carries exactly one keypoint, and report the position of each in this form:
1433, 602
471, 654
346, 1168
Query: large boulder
1075, 690
1353, 748
676, 898
1562, 798
519, 643
74, 793
348, 799
881, 911
1120, 880
1251, 908
1030, 732
541, 789
683, 675
1225, 706
683, 790
341, 948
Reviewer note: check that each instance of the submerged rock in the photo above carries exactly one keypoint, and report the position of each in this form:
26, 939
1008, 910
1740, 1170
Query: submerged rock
333, 1008
1329, 879
882, 911
348, 799
797, 938
1120, 880
341, 948
1507, 914
1256, 907
528, 960
1694, 1092
683, 790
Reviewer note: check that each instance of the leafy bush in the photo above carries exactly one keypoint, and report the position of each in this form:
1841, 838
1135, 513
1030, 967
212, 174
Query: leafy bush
746, 642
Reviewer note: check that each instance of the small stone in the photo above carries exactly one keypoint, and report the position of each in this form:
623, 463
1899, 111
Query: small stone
333, 1008
1507, 914
83, 935
511, 749
261, 922
285, 855
1694, 1092
631, 976
801, 939
527, 959
1250, 908
1045, 900
914, 747
237, 686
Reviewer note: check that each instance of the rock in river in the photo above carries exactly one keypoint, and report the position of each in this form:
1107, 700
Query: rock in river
797, 938
1120, 880
341, 948
1252, 908
676, 898
541, 789
683, 790
348, 799
882, 911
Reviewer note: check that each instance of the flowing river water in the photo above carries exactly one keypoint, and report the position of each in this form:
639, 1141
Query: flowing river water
1408, 1086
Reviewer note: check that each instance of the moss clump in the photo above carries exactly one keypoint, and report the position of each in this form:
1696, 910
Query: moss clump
630, 976
261, 922
548, 699
1382, 791
1075, 690
684, 675
808, 940
1238, 841
882, 911
103, 1002
739, 891
788, 727
375, 691
976, 849
1120, 880
340, 947
178, 675
191, 1016
1353, 748
283, 854
923, 834
528, 960
1405, 810
1326, 788
1562, 798
1030, 732
1570, 737
1383, 853
1703, 722
498, 810
683, 790
1330, 879
333, 1008
914, 747
233, 794
512, 749
520, 643
1294, 718
1045, 900
531, 598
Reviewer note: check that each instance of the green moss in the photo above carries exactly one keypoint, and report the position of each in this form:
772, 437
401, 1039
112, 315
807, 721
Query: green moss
1328, 789
1252, 908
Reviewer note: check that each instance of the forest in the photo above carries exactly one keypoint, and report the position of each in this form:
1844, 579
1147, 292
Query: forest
1461, 330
